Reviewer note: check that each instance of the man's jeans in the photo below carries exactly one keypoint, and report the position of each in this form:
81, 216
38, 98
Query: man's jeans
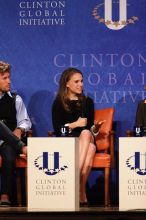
9, 149
7, 136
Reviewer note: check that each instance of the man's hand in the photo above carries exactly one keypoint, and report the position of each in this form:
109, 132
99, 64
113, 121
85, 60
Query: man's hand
18, 132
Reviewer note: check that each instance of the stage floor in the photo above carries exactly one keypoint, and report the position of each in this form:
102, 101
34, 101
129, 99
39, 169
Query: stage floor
85, 213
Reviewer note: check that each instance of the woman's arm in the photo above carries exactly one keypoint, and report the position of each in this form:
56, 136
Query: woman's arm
57, 116
90, 112
81, 122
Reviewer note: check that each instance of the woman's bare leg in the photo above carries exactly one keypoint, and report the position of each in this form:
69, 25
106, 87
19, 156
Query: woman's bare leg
86, 171
86, 155
84, 140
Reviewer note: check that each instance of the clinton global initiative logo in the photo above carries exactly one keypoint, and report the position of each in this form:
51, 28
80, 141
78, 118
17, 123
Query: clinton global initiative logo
137, 162
105, 9
49, 163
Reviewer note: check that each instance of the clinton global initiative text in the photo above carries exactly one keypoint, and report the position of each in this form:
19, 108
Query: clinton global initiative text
42, 22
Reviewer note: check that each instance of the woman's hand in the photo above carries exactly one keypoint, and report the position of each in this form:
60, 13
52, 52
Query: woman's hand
81, 122
97, 126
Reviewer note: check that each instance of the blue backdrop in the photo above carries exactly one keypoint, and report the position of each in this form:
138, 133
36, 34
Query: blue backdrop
42, 38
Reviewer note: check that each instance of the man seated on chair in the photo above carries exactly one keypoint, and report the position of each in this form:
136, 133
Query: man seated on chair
14, 123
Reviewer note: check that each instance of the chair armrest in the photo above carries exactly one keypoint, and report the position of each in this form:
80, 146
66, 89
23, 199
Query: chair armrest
51, 133
112, 153
29, 133
129, 133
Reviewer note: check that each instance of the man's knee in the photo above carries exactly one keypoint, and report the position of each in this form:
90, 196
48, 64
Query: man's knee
8, 154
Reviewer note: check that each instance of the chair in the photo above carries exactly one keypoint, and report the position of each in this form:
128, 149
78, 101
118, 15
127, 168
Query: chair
21, 164
104, 158
129, 133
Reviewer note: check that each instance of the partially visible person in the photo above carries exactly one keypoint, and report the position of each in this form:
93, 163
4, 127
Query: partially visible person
140, 120
14, 123
73, 109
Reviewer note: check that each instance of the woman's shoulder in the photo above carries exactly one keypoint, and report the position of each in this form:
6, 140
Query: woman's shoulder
89, 99
57, 102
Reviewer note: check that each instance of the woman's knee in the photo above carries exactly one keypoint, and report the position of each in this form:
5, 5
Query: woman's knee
85, 134
85, 170
91, 153
92, 148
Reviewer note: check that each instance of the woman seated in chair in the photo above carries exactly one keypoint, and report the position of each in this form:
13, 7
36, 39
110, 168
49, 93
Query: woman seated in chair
72, 109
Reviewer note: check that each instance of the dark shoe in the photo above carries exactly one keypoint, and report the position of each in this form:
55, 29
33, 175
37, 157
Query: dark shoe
84, 204
5, 203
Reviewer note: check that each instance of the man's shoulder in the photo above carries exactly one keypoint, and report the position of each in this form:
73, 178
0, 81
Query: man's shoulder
11, 94
15, 96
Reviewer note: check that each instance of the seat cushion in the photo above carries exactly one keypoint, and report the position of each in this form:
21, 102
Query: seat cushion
21, 161
101, 160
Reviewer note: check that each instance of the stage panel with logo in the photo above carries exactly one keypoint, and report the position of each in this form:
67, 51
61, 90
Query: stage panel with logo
132, 173
53, 174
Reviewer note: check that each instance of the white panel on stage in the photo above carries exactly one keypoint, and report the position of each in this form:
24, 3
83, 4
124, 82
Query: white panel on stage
132, 173
53, 174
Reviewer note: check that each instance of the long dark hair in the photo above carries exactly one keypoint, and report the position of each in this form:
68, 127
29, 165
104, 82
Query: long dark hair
62, 91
